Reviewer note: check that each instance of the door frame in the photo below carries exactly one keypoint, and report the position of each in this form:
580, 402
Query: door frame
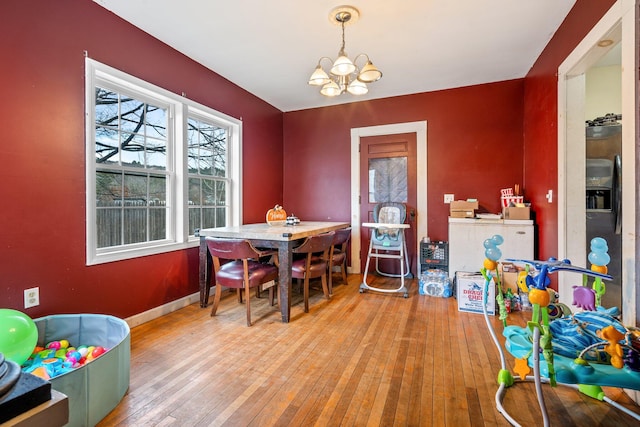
420, 129
617, 24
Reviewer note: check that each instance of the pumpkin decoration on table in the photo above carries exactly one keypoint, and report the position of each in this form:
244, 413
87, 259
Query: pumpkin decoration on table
276, 216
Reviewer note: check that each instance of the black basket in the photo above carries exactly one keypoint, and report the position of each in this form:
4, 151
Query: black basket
434, 255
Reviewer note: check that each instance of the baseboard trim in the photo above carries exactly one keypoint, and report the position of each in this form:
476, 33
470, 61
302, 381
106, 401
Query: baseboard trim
167, 308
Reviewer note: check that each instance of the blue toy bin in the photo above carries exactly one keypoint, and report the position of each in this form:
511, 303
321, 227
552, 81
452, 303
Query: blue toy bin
97, 387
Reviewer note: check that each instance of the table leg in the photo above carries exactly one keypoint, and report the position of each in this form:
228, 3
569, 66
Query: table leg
203, 273
285, 258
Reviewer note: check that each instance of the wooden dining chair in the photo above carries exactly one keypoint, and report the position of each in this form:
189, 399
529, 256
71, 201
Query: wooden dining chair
243, 271
314, 264
338, 255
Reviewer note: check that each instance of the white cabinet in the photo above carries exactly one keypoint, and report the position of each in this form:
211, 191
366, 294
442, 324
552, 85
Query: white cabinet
467, 236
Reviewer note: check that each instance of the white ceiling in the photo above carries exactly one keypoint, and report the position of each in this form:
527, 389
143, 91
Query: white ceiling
270, 48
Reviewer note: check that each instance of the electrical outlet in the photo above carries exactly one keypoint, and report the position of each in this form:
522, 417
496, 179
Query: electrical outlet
31, 297
448, 198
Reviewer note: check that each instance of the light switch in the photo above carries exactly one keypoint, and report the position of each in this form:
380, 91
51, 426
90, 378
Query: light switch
549, 196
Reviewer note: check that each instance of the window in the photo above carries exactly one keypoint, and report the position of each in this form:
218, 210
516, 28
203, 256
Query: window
158, 167
131, 173
208, 183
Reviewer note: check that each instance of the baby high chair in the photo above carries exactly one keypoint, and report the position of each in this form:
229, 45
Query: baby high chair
388, 241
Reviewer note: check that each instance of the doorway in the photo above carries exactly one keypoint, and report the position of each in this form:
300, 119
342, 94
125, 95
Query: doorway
420, 131
617, 25
388, 174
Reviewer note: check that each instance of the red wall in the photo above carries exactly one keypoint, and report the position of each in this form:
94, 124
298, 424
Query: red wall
477, 139
474, 148
541, 118
42, 148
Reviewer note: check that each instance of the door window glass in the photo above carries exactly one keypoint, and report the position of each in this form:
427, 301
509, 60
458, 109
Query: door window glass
388, 180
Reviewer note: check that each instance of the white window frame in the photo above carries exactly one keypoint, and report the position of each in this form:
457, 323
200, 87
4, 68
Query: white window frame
178, 233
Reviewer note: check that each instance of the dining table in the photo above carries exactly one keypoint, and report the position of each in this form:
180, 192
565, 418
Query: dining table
283, 237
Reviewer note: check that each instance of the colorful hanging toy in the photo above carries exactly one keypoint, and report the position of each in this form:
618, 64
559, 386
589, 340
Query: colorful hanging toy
585, 350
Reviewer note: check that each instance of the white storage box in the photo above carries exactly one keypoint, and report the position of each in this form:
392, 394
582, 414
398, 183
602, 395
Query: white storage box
95, 388
470, 289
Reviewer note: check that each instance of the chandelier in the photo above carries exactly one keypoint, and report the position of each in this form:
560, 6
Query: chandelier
344, 75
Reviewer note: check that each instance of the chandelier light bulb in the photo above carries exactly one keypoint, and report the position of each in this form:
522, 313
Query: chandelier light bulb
331, 89
343, 66
369, 73
357, 87
319, 77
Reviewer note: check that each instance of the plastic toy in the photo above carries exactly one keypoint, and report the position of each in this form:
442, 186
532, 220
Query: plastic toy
59, 357
556, 309
599, 259
584, 297
601, 353
18, 335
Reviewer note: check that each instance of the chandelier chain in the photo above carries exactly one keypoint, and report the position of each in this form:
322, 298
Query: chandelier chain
342, 49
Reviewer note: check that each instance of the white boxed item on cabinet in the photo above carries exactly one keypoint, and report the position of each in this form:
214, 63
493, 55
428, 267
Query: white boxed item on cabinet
470, 288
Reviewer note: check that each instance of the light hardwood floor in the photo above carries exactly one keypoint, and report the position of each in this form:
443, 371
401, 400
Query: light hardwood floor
355, 360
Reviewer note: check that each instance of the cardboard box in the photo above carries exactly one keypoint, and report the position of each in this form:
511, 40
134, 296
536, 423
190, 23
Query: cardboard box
509, 277
463, 205
470, 290
516, 213
463, 209
462, 213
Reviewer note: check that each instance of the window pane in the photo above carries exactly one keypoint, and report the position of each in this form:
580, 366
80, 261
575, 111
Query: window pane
135, 190
206, 134
221, 217
206, 163
108, 188
106, 108
220, 153
157, 190
388, 180
207, 148
135, 225
106, 145
221, 194
131, 119
194, 219
109, 227
192, 145
156, 154
208, 192
194, 192
132, 150
156, 121
106, 115
157, 224
208, 218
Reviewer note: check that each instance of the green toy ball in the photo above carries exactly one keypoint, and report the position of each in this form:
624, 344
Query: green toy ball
18, 335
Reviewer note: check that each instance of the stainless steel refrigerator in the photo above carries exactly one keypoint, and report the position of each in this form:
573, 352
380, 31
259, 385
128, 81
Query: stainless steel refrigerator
603, 197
